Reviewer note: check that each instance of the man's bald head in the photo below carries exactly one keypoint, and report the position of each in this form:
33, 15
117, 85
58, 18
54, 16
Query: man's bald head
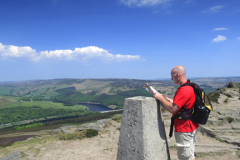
178, 75
179, 69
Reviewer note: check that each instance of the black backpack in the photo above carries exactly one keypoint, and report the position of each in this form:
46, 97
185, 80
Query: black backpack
201, 110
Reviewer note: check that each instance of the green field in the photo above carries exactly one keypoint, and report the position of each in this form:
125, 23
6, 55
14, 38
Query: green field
7, 100
46, 92
13, 110
5, 90
43, 104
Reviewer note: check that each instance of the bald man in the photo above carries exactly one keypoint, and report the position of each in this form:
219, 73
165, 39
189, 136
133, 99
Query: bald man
185, 130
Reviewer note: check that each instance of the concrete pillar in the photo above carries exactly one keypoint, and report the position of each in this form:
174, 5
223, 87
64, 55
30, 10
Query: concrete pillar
142, 134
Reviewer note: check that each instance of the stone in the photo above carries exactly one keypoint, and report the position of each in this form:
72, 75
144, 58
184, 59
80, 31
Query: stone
16, 155
142, 134
75, 128
236, 126
93, 126
68, 129
116, 124
55, 131
237, 119
103, 122
230, 113
233, 85
96, 126
215, 122
231, 139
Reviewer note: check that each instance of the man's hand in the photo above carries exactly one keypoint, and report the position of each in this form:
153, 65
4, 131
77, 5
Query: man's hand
157, 95
166, 102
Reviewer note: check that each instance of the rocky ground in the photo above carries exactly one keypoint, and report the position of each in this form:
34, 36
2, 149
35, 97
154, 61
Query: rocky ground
50, 147
217, 140
104, 146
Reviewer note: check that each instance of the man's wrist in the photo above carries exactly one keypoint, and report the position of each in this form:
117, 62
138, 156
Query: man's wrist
158, 96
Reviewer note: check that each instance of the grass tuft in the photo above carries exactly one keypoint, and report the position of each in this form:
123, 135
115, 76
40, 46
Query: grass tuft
228, 95
226, 100
214, 97
230, 119
89, 133
117, 118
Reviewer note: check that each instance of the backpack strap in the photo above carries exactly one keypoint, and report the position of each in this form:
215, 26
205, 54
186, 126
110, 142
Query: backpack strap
172, 122
186, 114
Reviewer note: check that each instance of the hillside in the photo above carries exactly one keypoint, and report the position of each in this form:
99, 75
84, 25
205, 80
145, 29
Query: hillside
217, 140
216, 82
108, 92
48, 88
64, 95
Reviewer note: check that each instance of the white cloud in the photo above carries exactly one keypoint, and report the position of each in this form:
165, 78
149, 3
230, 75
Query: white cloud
214, 9
140, 3
15, 51
219, 38
81, 54
220, 29
238, 38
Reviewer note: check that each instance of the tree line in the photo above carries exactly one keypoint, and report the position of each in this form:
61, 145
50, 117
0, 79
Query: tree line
29, 126
15, 114
90, 117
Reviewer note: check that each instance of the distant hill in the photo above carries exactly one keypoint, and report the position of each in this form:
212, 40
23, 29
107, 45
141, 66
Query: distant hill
216, 82
48, 88
104, 91
69, 91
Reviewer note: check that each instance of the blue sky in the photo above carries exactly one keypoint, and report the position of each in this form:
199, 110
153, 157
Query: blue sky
137, 39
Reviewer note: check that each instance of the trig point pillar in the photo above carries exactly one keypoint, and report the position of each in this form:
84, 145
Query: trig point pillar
142, 134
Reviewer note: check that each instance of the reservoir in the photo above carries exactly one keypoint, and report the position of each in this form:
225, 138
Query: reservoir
96, 107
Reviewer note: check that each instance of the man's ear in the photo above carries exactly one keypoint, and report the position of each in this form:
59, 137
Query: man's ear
178, 75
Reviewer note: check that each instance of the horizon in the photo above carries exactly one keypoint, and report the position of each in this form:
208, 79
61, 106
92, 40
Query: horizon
121, 39
157, 79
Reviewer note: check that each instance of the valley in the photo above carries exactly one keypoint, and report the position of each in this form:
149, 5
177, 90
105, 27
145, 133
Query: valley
220, 133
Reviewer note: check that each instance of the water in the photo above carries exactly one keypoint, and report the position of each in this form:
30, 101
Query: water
96, 107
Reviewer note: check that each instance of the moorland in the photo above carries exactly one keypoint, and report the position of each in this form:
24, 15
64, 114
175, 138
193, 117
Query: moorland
34, 101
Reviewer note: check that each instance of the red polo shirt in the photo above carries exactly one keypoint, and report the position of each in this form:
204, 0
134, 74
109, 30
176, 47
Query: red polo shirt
184, 98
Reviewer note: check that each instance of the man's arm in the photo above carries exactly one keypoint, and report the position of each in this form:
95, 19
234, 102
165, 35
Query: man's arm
166, 102
169, 99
